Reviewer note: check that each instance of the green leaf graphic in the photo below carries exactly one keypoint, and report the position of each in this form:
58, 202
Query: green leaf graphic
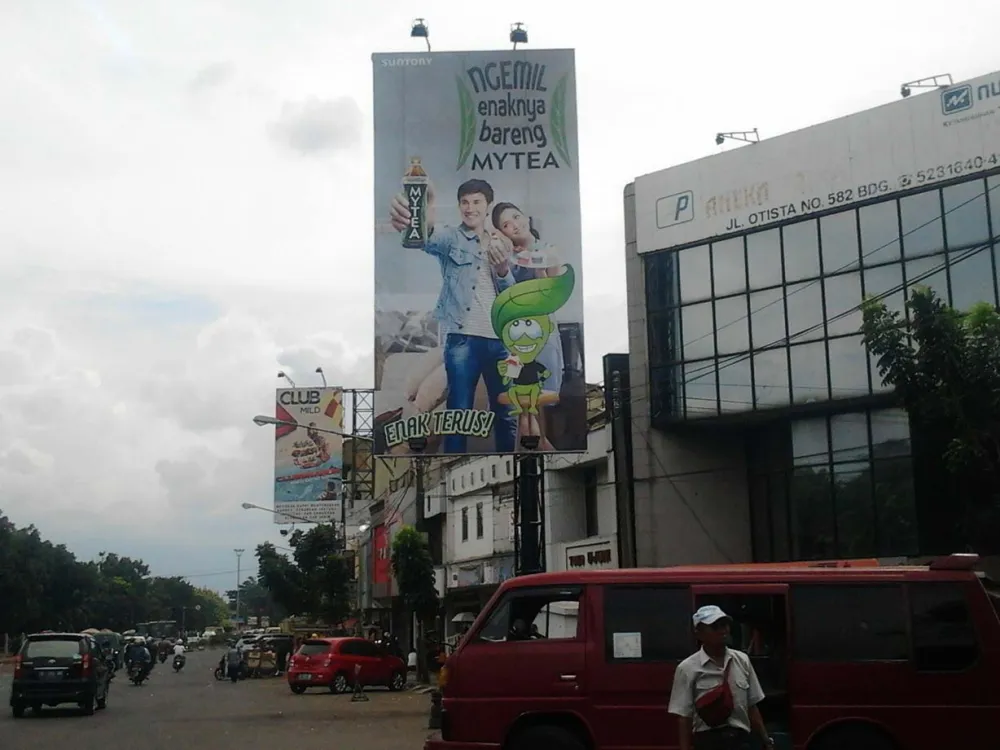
467, 135
557, 119
530, 298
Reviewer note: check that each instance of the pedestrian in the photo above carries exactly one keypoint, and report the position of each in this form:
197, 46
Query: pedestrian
234, 660
716, 691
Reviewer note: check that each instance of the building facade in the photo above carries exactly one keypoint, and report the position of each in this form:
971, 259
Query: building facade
761, 429
474, 499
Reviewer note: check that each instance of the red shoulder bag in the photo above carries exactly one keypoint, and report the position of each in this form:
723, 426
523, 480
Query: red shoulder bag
715, 706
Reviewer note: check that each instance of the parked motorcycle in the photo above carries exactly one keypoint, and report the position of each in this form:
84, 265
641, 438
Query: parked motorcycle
179, 661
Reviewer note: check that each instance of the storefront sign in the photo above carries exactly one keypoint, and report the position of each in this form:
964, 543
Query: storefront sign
591, 556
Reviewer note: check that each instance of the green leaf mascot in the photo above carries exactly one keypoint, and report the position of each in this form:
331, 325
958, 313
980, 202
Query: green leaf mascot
521, 318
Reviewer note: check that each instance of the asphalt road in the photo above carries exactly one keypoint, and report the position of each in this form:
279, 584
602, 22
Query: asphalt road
192, 710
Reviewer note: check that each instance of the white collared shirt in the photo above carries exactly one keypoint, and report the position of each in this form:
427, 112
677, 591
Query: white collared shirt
698, 674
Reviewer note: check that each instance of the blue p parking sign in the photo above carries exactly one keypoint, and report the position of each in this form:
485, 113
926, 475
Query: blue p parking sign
674, 209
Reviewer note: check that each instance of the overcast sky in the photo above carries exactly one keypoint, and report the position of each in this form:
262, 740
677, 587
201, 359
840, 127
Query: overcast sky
185, 209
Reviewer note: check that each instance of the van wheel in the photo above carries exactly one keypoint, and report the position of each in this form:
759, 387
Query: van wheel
853, 738
87, 706
545, 738
18, 710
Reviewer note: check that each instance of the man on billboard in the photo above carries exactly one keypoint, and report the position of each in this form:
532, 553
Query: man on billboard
475, 268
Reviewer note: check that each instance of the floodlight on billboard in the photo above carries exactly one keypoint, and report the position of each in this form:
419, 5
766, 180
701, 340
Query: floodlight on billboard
308, 454
478, 294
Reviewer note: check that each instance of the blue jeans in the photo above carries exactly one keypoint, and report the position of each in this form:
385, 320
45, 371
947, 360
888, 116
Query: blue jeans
466, 360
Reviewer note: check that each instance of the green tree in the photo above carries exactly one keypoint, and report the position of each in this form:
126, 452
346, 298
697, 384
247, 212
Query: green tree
315, 581
256, 601
945, 367
413, 569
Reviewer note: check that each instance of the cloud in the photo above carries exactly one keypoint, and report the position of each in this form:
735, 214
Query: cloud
211, 76
316, 125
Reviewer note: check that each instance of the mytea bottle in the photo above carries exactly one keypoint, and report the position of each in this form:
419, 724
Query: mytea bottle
415, 183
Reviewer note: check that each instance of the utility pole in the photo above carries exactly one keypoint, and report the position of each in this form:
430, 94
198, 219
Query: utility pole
239, 554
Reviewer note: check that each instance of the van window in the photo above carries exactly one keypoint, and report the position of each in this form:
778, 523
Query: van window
534, 614
659, 615
944, 638
835, 622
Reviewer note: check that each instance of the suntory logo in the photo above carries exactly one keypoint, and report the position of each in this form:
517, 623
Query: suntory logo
405, 62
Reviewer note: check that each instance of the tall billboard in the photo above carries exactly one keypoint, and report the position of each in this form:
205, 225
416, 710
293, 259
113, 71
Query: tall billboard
478, 294
907, 144
308, 455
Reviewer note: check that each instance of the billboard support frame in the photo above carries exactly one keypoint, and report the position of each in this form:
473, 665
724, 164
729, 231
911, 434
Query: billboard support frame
529, 515
362, 426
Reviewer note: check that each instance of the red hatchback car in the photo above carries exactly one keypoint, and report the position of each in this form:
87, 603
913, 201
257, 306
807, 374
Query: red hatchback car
333, 662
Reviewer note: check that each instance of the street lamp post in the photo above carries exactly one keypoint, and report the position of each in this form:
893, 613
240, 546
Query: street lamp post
239, 554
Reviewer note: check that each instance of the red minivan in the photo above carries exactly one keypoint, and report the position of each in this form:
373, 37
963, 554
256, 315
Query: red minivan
850, 658
332, 663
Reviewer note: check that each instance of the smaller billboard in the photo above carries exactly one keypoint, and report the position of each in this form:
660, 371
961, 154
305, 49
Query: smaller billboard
382, 565
308, 455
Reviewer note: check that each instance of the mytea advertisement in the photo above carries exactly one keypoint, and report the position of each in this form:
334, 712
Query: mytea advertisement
478, 292
306, 459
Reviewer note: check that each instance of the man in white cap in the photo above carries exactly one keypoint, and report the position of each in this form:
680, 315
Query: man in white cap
716, 691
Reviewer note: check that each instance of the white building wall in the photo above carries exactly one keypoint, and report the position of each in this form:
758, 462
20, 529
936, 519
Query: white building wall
691, 493
478, 480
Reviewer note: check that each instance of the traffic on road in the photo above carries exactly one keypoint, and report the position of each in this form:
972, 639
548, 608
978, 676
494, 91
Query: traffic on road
189, 708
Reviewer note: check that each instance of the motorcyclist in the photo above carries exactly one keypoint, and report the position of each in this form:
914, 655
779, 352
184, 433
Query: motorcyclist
139, 654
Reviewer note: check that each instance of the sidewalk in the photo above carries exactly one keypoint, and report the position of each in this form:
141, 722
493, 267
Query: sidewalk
422, 688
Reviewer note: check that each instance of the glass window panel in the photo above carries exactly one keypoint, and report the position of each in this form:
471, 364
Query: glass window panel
852, 500
929, 271
735, 393
764, 258
662, 330
886, 283
695, 273
965, 220
839, 233
809, 373
848, 368
699, 330
812, 514
971, 277
849, 437
805, 311
731, 325
660, 279
890, 433
700, 395
729, 266
879, 233
921, 218
843, 304
665, 390
770, 372
895, 508
767, 317
810, 442
876, 378
801, 248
